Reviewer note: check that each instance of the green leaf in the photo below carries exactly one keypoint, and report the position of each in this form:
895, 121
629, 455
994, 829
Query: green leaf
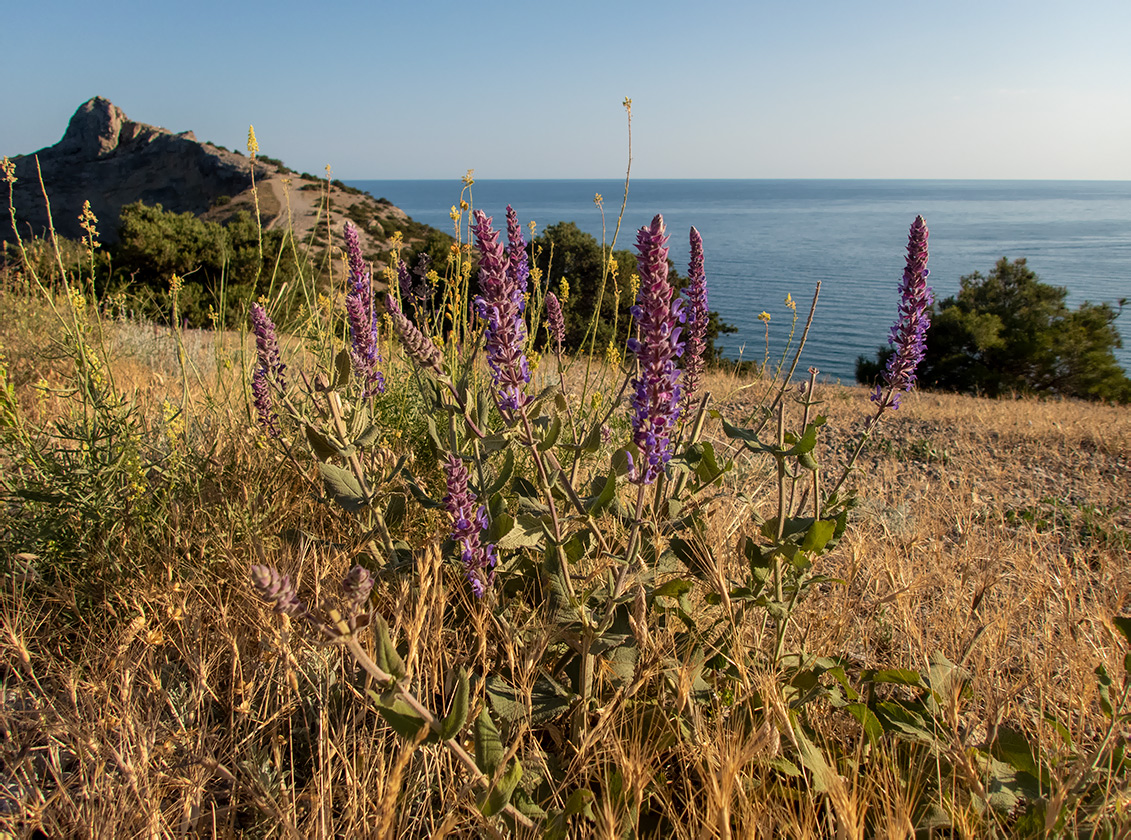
454, 723
501, 526
342, 368
434, 436
592, 441
551, 436
368, 437
708, 468
808, 439
1123, 625
489, 751
343, 486
1012, 747
526, 531
505, 473
608, 494
818, 535
898, 676
1103, 683
620, 458
868, 721
386, 656
824, 777
500, 795
319, 444
400, 716
675, 588
417, 493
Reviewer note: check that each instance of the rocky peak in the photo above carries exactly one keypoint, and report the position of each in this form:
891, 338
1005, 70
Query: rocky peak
93, 130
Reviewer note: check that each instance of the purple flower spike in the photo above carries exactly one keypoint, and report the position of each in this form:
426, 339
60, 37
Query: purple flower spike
555, 321
419, 347
468, 523
269, 369
502, 282
267, 345
362, 317
909, 333
697, 318
655, 401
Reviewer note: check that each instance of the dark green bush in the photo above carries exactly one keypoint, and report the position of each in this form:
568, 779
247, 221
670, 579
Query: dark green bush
1009, 332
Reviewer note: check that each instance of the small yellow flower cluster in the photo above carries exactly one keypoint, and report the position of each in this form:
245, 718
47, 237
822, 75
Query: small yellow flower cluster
598, 199
563, 292
612, 355
78, 302
213, 316
87, 221
464, 206
790, 302
252, 143
532, 361
633, 286
614, 267
433, 278
596, 400
174, 422
176, 283
398, 239
764, 317
535, 274
454, 214
9, 170
532, 225
469, 178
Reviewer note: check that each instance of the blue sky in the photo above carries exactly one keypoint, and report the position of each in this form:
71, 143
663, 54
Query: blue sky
422, 89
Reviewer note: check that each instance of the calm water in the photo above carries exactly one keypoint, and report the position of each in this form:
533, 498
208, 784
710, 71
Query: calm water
766, 238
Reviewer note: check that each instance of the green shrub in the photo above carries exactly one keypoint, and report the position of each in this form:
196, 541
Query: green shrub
1009, 332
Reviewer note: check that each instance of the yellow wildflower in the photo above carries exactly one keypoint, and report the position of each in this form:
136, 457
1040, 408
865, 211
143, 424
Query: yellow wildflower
9, 170
469, 178
563, 292
454, 213
598, 199
790, 302
764, 317
612, 355
252, 143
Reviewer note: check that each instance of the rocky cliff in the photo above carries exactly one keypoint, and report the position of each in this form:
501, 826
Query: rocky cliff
111, 161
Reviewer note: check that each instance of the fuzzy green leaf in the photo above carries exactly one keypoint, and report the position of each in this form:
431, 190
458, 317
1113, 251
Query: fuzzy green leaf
319, 444
451, 725
342, 369
386, 656
343, 486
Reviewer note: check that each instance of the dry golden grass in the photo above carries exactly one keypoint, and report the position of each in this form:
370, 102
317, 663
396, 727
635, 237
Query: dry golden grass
175, 704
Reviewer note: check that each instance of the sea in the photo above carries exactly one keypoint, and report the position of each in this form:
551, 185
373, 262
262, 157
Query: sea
766, 239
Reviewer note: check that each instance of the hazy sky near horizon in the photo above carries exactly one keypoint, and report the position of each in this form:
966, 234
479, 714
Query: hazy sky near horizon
727, 89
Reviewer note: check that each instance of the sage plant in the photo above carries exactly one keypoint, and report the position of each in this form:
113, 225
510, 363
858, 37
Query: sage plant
362, 317
698, 317
468, 523
502, 282
656, 388
269, 369
908, 335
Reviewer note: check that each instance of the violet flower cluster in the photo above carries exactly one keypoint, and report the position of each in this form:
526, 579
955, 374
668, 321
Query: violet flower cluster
362, 317
555, 323
698, 317
279, 590
269, 367
468, 523
909, 333
418, 346
655, 400
503, 277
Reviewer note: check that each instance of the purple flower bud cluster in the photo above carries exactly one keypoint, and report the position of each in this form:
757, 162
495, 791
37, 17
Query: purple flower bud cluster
279, 590
468, 523
909, 333
698, 317
362, 317
554, 321
503, 277
419, 347
269, 367
655, 400
356, 586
